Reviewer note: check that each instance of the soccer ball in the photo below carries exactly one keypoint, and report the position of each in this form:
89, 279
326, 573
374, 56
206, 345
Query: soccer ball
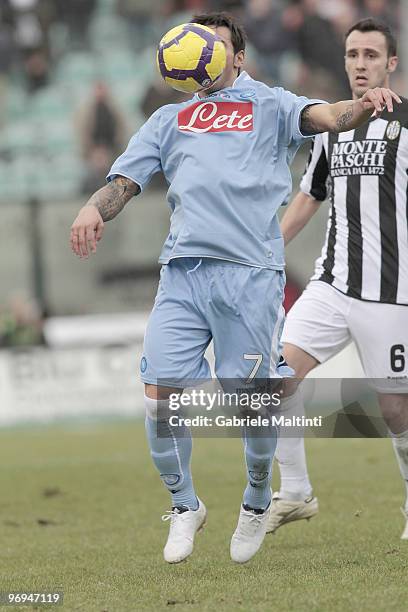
191, 57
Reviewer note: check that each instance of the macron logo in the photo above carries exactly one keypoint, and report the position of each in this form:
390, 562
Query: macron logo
217, 117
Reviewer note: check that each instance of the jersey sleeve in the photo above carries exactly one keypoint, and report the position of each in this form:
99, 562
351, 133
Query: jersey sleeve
290, 112
141, 158
315, 178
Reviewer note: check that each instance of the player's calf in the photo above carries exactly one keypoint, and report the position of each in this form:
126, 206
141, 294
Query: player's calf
170, 448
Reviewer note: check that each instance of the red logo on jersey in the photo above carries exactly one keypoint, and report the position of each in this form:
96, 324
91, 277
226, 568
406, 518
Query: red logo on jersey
217, 117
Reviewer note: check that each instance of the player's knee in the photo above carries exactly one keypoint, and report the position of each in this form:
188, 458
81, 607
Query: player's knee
291, 399
259, 453
299, 360
394, 408
153, 392
156, 409
160, 401
157, 392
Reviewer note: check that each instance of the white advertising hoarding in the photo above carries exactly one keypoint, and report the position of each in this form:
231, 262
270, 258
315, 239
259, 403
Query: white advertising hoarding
41, 384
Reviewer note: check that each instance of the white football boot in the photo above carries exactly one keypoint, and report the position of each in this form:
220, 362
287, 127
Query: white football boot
404, 535
183, 527
249, 534
285, 511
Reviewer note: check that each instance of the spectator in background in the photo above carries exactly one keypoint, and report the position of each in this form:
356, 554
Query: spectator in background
231, 6
341, 13
174, 12
24, 38
102, 133
7, 47
98, 163
101, 123
28, 31
21, 323
7, 55
272, 31
140, 16
384, 10
76, 15
180, 6
321, 49
36, 69
158, 94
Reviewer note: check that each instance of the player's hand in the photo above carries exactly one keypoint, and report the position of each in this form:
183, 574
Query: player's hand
86, 231
378, 99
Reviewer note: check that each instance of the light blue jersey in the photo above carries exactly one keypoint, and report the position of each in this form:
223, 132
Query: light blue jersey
226, 158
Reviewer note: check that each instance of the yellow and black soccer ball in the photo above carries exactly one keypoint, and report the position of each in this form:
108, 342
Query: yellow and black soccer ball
191, 57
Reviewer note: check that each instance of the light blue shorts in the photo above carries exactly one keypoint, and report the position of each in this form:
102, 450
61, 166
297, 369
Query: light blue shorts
198, 300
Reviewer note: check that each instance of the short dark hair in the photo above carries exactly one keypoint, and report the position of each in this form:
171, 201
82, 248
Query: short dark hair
238, 35
374, 25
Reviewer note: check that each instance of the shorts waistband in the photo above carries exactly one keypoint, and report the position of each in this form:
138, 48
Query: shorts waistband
196, 262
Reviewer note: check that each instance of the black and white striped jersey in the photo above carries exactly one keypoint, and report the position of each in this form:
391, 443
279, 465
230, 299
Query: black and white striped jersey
365, 172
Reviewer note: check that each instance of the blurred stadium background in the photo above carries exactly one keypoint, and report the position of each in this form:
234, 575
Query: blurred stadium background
76, 80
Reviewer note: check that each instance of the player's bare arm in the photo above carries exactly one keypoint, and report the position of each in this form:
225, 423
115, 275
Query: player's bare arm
103, 205
297, 215
113, 197
347, 114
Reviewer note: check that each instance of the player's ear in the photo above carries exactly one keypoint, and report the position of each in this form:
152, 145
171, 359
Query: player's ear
239, 59
392, 63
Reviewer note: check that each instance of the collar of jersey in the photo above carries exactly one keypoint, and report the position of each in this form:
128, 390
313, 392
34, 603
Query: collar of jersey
242, 81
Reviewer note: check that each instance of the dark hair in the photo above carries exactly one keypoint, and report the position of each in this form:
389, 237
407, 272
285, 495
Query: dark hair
374, 25
238, 36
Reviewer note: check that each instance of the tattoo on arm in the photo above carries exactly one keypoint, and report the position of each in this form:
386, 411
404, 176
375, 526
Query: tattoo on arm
112, 198
307, 126
343, 119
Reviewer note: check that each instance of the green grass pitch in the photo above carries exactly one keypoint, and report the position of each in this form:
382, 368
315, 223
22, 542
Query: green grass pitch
80, 509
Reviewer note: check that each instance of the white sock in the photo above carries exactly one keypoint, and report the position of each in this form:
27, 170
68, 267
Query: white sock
291, 457
400, 444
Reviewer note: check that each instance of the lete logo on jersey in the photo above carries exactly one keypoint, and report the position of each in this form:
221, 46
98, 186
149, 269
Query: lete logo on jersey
217, 117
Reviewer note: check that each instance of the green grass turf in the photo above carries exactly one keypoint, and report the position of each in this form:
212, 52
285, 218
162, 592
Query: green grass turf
99, 500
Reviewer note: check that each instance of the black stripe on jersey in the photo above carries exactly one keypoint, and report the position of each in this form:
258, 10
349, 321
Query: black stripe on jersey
355, 236
328, 262
318, 189
388, 225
